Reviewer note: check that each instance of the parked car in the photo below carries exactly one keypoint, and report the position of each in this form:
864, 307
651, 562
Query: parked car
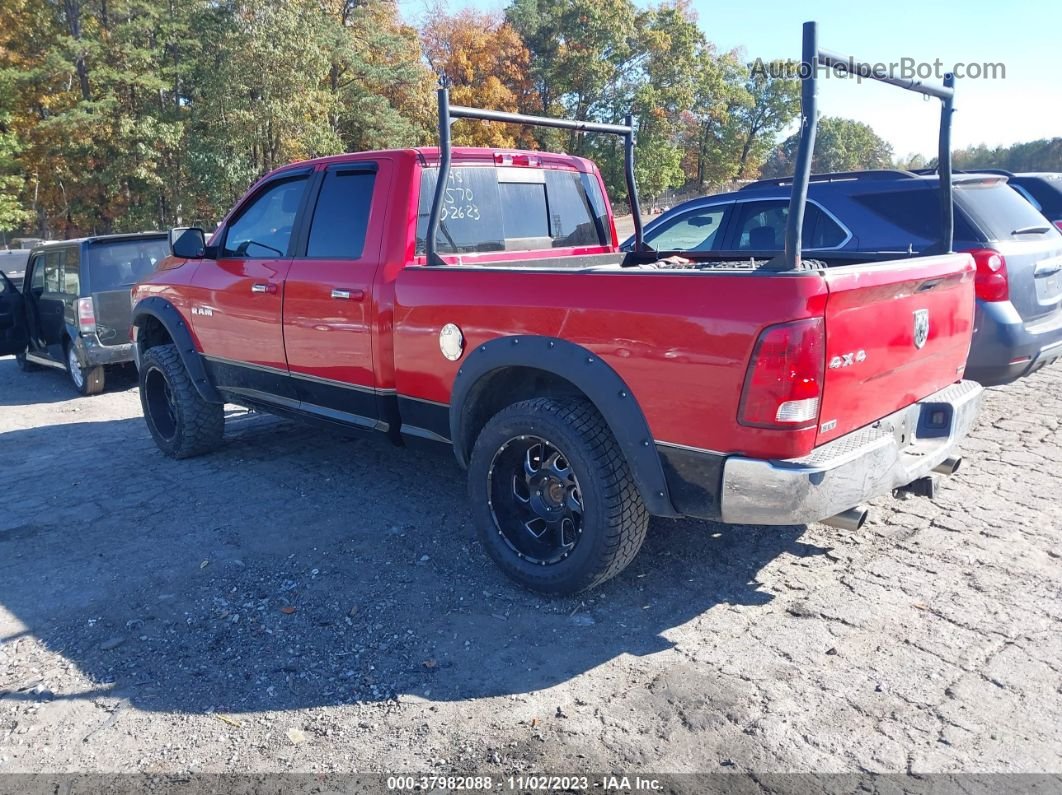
74, 310
583, 390
13, 263
1018, 326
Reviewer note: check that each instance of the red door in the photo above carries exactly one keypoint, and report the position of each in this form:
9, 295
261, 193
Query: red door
237, 306
328, 303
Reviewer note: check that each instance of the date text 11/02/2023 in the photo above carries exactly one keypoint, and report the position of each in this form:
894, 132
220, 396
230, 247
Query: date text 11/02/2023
523, 783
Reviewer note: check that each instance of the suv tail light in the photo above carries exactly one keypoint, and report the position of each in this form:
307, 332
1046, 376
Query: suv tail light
783, 386
86, 315
1058, 223
990, 283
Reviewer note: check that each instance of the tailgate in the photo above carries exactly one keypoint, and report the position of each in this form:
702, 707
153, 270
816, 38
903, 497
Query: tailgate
895, 333
114, 315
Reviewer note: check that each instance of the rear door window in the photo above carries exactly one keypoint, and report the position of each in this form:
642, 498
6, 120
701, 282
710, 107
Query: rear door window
341, 216
72, 272
53, 271
512, 208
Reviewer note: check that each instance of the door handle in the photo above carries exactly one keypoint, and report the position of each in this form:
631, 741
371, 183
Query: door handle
348, 295
264, 288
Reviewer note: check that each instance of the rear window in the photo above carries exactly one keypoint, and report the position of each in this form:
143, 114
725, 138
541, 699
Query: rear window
916, 212
1001, 212
501, 208
123, 263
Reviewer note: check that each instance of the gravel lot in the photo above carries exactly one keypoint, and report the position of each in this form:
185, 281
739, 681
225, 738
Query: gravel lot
300, 601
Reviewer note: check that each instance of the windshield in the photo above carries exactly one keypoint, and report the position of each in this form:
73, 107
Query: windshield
124, 262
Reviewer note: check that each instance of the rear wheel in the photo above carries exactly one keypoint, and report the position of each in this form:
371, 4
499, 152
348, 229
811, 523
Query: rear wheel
180, 421
86, 380
554, 500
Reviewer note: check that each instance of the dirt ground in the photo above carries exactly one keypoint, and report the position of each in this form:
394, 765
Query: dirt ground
300, 601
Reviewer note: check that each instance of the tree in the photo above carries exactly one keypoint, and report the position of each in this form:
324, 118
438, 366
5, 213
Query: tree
768, 105
381, 90
1044, 154
840, 145
485, 63
581, 58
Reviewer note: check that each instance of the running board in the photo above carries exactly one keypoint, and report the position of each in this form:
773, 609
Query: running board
44, 361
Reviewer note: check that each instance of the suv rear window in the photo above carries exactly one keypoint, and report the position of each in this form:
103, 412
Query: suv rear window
123, 263
511, 208
1001, 211
916, 212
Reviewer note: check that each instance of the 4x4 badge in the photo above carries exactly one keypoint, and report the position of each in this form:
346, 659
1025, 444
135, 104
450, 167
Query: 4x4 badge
921, 327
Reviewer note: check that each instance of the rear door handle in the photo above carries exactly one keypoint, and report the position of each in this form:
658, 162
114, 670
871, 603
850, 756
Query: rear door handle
264, 288
348, 295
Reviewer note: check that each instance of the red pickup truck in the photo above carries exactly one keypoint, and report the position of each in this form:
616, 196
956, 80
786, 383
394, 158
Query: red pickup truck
583, 389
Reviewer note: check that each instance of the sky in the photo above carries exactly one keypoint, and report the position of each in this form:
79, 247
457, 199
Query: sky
1025, 36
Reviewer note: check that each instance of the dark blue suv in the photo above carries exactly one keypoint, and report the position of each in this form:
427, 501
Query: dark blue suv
860, 215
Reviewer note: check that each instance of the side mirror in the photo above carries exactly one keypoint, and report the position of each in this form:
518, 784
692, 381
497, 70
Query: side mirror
187, 242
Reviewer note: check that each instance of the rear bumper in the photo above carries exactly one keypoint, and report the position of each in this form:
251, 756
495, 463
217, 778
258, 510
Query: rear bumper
857, 467
1006, 348
94, 354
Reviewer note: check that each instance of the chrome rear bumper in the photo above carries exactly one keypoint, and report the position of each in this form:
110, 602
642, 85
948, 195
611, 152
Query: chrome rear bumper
855, 468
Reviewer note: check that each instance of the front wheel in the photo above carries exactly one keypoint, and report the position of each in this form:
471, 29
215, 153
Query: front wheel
86, 380
553, 497
180, 421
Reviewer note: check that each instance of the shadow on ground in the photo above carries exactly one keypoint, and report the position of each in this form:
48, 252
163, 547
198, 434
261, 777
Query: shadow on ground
298, 568
52, 385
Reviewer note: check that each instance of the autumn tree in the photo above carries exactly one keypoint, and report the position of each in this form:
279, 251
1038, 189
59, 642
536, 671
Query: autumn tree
484, 62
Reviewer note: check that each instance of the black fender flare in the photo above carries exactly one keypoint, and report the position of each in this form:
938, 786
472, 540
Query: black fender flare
593, 377
171, 319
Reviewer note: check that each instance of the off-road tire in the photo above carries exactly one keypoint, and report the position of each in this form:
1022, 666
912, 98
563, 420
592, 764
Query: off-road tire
183, 425
86, 381
614, 517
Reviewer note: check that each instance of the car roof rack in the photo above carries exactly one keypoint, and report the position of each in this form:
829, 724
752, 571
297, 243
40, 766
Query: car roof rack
835, 176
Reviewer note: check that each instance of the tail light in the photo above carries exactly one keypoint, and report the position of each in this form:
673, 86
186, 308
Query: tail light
990, 283
86, 315
505, 159
783, 386
1058, 223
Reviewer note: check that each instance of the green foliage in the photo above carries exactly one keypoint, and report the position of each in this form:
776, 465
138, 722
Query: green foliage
840, 145
119, 115
1041, 155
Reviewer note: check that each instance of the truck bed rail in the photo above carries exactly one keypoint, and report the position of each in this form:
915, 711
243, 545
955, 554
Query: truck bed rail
814, 57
